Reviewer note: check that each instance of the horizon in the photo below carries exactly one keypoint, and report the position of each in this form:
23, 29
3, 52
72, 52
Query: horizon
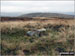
19, 14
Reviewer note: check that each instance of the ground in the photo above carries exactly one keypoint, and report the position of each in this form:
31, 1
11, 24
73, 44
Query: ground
14, 40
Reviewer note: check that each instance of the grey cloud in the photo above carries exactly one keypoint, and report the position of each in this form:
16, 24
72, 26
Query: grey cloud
37, 6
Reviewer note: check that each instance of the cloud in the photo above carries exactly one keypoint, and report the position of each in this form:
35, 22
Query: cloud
37, 6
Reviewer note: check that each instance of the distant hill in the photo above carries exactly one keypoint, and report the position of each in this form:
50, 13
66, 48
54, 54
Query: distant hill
47, 15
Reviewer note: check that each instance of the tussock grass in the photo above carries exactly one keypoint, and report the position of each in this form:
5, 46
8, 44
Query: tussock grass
14, 40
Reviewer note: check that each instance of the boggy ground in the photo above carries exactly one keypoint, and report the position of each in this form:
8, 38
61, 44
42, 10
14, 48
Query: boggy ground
14, 40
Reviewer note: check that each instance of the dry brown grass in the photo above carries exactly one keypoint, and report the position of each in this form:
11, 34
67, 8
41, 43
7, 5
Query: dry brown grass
20, 24
51, 40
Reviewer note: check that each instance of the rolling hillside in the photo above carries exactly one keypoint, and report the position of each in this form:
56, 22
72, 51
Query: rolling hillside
47, 15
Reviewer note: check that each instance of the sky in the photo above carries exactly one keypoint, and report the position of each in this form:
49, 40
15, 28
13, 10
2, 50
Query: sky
37, 6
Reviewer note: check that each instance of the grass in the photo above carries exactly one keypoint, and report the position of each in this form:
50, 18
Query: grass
14, 40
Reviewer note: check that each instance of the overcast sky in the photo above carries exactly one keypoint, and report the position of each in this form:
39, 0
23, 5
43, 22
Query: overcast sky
37, 6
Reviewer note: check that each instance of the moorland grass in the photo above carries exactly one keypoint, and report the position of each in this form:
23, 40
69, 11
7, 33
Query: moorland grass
14, 41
